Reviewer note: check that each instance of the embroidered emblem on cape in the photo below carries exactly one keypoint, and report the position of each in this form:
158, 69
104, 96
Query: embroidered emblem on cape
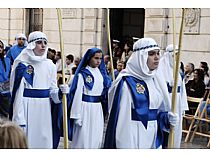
140, 88
89, 79
30, 69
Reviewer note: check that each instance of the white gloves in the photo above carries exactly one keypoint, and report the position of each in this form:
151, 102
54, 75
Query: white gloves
23, 127
64, 88
171, 83
78, 122
173, 118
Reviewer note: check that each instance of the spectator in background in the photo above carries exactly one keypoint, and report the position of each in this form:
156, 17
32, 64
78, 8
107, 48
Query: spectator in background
189, 68
69, 64
51, 54
195, 88
181, 70
128, 50
12, 136
109, 69
106, 59
21, 43
117, 52
58, 62
205, 68
120, 67
77, 61
5, 68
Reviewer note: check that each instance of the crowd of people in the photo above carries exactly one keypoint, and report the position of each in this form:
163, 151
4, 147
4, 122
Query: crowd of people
136, 103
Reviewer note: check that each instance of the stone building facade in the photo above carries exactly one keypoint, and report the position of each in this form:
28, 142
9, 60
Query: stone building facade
87, 27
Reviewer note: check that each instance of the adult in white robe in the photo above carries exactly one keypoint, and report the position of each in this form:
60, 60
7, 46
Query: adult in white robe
31, 107
126, 130
165, 71
89, 84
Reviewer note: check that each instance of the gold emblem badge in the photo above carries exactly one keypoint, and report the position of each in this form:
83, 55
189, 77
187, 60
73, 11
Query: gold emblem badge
30, 69
89, 79
140, 88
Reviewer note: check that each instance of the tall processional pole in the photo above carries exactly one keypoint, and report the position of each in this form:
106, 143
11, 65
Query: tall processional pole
176, 75
64, 100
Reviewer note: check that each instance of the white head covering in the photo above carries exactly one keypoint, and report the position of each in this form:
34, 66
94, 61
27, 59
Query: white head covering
169, 54
27, 55
137, 63
21, 35
4, 45
35, 36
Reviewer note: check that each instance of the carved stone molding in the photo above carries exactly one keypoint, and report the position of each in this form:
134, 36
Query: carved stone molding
192, 21
69, 13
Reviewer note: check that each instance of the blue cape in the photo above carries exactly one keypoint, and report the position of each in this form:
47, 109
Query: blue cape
140, 112
81, 69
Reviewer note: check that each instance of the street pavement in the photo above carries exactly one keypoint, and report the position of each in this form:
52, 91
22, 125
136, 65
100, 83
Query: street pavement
198, 142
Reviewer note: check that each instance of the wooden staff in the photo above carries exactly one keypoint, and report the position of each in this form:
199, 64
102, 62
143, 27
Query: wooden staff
109, 43
174, 40
64, 101
174, 91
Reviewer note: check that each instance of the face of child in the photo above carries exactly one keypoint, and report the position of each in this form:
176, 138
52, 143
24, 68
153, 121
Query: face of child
153, 59
120, 66
40, 47
95, 61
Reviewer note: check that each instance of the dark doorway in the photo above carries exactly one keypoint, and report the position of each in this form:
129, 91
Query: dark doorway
34, 20
126, 22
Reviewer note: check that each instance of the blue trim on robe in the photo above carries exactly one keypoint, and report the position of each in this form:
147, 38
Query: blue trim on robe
86, 74
36, 93
19, 74
57, 123
4, 75
170, 88
91, 99
163, 130
141, 107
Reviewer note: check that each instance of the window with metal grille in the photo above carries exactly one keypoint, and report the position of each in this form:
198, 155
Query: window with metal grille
34, 20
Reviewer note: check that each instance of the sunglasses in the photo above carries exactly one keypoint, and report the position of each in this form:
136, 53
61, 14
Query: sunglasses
41, 41
1, 46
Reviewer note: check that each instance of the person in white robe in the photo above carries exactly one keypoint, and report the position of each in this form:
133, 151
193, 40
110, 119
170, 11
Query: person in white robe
165, 71
33, 83
88, 89
139, 102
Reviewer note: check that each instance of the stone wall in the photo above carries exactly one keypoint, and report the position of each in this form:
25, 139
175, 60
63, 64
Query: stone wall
196, 39
12, 22
82, 29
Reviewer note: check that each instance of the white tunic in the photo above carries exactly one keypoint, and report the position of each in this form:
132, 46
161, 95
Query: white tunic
88, 129
166, 71
131, 133
35, 113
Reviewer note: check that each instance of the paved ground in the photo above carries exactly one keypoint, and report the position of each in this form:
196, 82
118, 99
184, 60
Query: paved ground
198, 143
